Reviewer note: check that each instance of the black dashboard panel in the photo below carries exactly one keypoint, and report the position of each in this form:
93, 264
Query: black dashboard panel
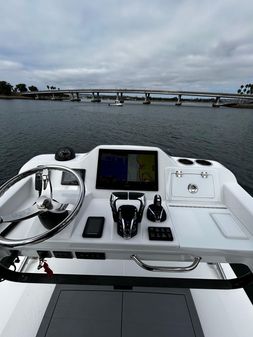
69, 179
127, 170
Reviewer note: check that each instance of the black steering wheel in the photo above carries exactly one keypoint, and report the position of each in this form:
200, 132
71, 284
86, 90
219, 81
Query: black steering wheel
44, 204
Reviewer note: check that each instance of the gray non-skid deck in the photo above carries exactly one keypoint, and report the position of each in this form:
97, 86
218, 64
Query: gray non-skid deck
85, 311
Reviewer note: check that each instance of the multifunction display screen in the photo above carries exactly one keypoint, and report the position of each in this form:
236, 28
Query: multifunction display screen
127, 170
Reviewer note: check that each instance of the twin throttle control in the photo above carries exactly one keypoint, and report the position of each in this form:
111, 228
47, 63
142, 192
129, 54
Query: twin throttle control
128, 216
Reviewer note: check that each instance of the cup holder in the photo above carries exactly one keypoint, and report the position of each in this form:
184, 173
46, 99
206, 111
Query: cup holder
203, 162
185, 161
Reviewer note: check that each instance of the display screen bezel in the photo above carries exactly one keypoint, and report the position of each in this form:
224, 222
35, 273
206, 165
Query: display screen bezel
126, 185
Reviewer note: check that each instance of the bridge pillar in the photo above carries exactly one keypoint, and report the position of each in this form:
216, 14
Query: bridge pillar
216, 103
95, 98
77, 99
147, 98
121, 98
179, 100
74, 97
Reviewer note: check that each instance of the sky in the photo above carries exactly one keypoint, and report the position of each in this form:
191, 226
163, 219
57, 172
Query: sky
175, 45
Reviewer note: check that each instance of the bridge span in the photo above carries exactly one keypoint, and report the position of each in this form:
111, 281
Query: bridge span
120, 92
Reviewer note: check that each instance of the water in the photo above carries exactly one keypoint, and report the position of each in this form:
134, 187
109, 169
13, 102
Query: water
29, 128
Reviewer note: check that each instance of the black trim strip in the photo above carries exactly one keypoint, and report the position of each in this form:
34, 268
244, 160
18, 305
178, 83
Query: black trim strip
125, 281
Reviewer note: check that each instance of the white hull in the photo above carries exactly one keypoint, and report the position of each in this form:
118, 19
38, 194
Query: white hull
117, 103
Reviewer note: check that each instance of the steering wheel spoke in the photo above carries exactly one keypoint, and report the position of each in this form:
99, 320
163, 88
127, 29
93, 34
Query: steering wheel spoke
22, 215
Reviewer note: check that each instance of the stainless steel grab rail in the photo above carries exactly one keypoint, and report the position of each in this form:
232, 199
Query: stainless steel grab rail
148, 267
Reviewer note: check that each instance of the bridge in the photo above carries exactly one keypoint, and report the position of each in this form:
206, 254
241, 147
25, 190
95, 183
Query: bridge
119, 92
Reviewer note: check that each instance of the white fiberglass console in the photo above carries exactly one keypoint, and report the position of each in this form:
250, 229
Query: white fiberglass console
137, 201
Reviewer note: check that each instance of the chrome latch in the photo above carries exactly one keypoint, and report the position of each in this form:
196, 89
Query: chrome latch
192, 188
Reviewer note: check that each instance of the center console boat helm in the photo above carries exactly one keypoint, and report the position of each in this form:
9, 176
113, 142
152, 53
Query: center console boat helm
130, 226
192, 213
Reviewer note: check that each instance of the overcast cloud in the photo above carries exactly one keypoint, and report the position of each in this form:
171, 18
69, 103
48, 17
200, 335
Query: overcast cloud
181, 45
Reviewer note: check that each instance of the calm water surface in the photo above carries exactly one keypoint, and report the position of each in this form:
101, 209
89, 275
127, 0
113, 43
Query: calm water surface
29, 128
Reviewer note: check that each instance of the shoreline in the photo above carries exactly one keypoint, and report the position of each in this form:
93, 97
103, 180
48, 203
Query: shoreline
15, 97
239, 105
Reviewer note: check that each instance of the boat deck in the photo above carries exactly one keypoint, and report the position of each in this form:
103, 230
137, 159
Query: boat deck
97, 311
226, 313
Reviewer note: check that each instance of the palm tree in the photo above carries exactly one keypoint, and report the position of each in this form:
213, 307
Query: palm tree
246, 89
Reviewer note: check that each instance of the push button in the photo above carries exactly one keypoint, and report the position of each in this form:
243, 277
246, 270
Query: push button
160, 234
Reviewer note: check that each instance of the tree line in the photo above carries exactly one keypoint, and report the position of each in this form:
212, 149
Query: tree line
7, 89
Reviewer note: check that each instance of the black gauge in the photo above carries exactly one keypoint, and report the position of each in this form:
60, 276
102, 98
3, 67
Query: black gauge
69, 179
185, 161
203, 162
